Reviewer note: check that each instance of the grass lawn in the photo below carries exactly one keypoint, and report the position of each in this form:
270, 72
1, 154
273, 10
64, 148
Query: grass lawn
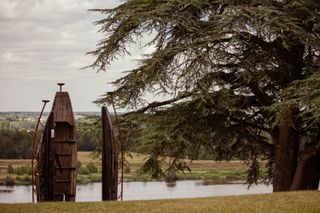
278, 202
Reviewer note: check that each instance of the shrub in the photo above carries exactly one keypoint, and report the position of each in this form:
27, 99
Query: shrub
23, 170
27, 178
20, 170
83, 171
9, 181
79, 164
10, 169
28, 170
23, 179
127, 169
171, 175
92, 168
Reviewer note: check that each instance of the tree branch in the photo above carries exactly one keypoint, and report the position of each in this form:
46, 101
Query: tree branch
156, 104
253, 125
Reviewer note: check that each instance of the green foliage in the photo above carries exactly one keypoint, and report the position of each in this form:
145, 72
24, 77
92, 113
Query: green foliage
86, 170
15, 144
86, 141
88, 133
127, 169
83, 171
17, 123
10, 169
92, 168
5, 125
79, 164
23, 180
27, 179
234, 71
16, 137
253, 172
9, 181
171, 175
23, 170
152, 166
89, 178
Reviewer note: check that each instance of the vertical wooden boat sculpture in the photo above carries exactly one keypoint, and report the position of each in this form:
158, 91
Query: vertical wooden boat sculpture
45, 162
57, 154
109, 159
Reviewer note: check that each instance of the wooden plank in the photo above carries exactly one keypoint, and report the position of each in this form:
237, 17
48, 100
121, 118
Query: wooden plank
62, 108
63, 154
109, 159
65, 168
64, 141
59, 173
44, 182
63, 181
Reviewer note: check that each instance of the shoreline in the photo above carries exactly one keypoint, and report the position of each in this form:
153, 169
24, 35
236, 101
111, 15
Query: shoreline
208, 170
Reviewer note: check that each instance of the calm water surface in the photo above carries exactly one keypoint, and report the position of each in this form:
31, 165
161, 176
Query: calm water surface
143, 191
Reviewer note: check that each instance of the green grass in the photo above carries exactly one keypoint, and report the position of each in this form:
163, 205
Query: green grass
90, 178
295, 202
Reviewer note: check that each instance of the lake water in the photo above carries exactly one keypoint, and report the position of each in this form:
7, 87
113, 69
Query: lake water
143, 191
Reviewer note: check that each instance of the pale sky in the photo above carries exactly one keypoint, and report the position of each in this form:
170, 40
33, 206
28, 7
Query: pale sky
43, 42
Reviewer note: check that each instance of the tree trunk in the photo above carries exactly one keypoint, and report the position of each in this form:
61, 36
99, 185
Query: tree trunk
286, 152
308, 170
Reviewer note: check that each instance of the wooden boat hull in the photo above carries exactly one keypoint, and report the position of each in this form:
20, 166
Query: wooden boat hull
45, 163
57, 154
109, 158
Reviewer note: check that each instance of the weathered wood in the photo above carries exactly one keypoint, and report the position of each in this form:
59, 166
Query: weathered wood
57, 176
109, 158
45, 163
33, 173
62, 108
64, 142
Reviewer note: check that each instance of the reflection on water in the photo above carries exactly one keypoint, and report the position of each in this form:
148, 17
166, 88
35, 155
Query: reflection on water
15, 194
143, 191
6, 190
171, 184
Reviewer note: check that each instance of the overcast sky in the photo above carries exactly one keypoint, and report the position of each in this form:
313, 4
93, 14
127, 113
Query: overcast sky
43, 42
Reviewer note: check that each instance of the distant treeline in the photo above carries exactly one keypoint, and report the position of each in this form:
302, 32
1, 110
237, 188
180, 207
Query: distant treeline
16, 124
86, 141
17, 144
16, 135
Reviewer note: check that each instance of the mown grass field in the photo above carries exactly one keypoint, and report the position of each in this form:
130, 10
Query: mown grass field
220, 172
295, 202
